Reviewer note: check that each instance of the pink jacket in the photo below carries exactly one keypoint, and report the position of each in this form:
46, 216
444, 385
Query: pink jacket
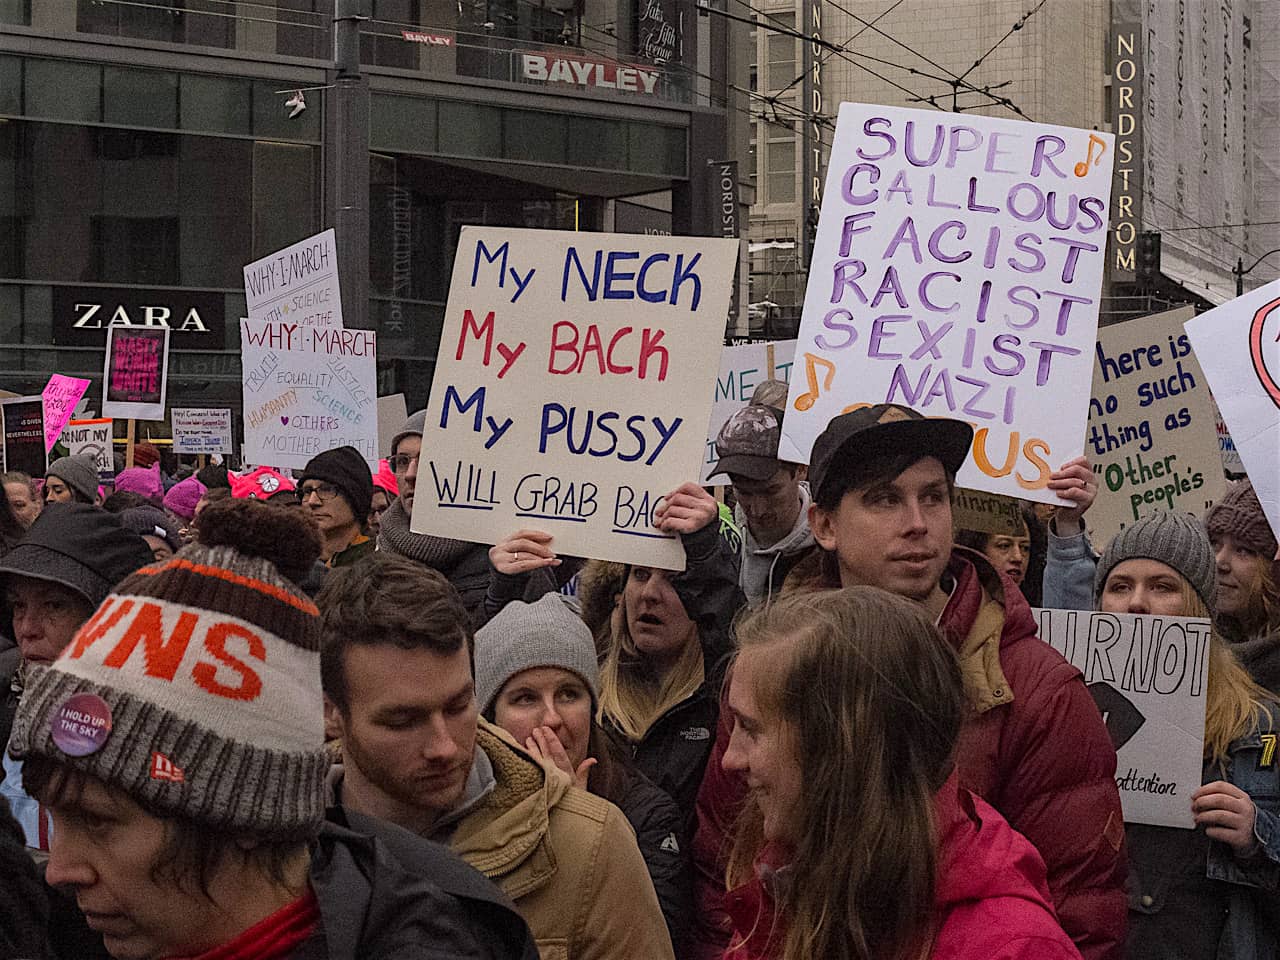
991, 899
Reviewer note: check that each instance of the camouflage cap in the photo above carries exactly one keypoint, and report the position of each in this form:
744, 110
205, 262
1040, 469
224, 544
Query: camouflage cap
748, 443
771, 393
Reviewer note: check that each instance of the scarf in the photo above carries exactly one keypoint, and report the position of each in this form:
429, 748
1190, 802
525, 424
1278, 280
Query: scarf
276, 937
439, 553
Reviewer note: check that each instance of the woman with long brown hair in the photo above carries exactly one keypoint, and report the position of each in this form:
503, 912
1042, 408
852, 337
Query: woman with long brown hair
857, 841
1207, 893
1248, 598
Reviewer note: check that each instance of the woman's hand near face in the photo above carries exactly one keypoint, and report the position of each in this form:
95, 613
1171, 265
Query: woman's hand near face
545, 745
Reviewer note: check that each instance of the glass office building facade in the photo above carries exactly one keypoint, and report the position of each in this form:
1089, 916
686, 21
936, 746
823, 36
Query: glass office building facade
147, 154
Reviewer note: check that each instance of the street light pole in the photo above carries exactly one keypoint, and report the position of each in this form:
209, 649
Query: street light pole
347, 162
1240, 271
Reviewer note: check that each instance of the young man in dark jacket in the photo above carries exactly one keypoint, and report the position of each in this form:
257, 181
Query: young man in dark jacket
1035, 747
179, 743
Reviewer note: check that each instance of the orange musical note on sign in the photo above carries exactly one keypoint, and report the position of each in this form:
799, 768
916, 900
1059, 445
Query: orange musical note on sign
811, 363
1082, 168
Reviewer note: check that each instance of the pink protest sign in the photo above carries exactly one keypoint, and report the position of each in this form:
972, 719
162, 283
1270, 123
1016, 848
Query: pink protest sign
135, 373
61, 395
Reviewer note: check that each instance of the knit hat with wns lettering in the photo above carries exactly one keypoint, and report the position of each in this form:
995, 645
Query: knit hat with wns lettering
195, 687
1175, 539
527, 635
347, 470
1239, 515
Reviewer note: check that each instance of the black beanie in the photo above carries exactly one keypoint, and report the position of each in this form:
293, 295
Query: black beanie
213, 475
348, 471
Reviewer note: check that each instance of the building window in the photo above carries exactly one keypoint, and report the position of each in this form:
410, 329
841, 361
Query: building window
780, 185
781, 49
302, 28
207, 23
382, 41
16, 11
102, 205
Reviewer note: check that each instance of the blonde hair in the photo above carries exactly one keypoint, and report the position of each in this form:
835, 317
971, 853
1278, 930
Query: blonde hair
633, 695
871, 698
1233, 701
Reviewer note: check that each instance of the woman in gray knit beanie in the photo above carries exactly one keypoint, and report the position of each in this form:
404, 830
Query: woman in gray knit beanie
1194, 880
537, 678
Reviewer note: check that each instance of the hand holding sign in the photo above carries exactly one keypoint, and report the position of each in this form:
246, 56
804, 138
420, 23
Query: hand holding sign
1227, 814
1073, 481
686, 509
523, 552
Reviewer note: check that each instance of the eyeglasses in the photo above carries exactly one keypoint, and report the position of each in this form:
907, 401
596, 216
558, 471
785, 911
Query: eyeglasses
400, 462
324, 492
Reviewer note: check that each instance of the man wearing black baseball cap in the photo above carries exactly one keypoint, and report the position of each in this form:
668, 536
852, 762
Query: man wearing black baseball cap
1034, 746
772, 497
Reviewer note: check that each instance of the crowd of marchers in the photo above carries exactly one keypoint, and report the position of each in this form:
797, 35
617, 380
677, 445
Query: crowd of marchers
257, 716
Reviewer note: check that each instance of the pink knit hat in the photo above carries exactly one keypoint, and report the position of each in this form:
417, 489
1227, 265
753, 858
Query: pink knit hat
385, 479
263, 484
142, 480
183, 497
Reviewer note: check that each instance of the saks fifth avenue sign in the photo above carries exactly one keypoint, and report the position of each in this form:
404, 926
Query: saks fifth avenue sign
580, 72
82, 315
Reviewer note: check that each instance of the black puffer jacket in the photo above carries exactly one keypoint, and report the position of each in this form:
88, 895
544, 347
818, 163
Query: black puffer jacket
387, 894
674, 752
24, 905
660, 834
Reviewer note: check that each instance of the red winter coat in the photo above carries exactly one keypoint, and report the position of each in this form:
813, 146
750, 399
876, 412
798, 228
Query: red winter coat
990, 902
1035, 749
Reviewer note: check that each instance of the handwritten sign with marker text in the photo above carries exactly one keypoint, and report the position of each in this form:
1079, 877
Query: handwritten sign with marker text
742, 368
1238, 346
92, 437
307, 390
1152, 427
198, 430
573, 388
298, 284
957, 270
1147, 674
136, 373
61, 395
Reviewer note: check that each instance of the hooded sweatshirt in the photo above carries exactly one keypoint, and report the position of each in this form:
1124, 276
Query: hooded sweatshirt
991, 901
763, 568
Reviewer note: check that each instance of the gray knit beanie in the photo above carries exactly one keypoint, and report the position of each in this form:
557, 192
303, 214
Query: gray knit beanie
412, 427
527, 635
80, 473
1176, 539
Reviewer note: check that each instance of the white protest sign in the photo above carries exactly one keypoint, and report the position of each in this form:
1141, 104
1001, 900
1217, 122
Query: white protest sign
743, 367
1231, 461
1148, 676
92, 437
573, 388
298, 284
1152, 427
306, 390
1237, 347
957, 270
201, 430
392, 413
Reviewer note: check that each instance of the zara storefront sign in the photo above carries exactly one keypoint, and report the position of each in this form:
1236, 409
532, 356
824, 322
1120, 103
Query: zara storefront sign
82, 315
580, 72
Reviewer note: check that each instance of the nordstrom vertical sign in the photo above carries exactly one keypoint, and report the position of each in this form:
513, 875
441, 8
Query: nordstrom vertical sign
1126, 114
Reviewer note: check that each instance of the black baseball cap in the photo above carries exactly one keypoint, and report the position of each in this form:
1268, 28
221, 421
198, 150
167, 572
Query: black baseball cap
886, 429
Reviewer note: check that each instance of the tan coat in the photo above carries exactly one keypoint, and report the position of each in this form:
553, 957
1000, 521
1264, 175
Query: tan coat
567, 858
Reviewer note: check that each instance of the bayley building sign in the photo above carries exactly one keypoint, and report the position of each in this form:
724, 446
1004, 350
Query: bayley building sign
82, 315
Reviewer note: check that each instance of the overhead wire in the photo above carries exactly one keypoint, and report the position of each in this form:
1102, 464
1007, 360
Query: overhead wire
1018, 25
